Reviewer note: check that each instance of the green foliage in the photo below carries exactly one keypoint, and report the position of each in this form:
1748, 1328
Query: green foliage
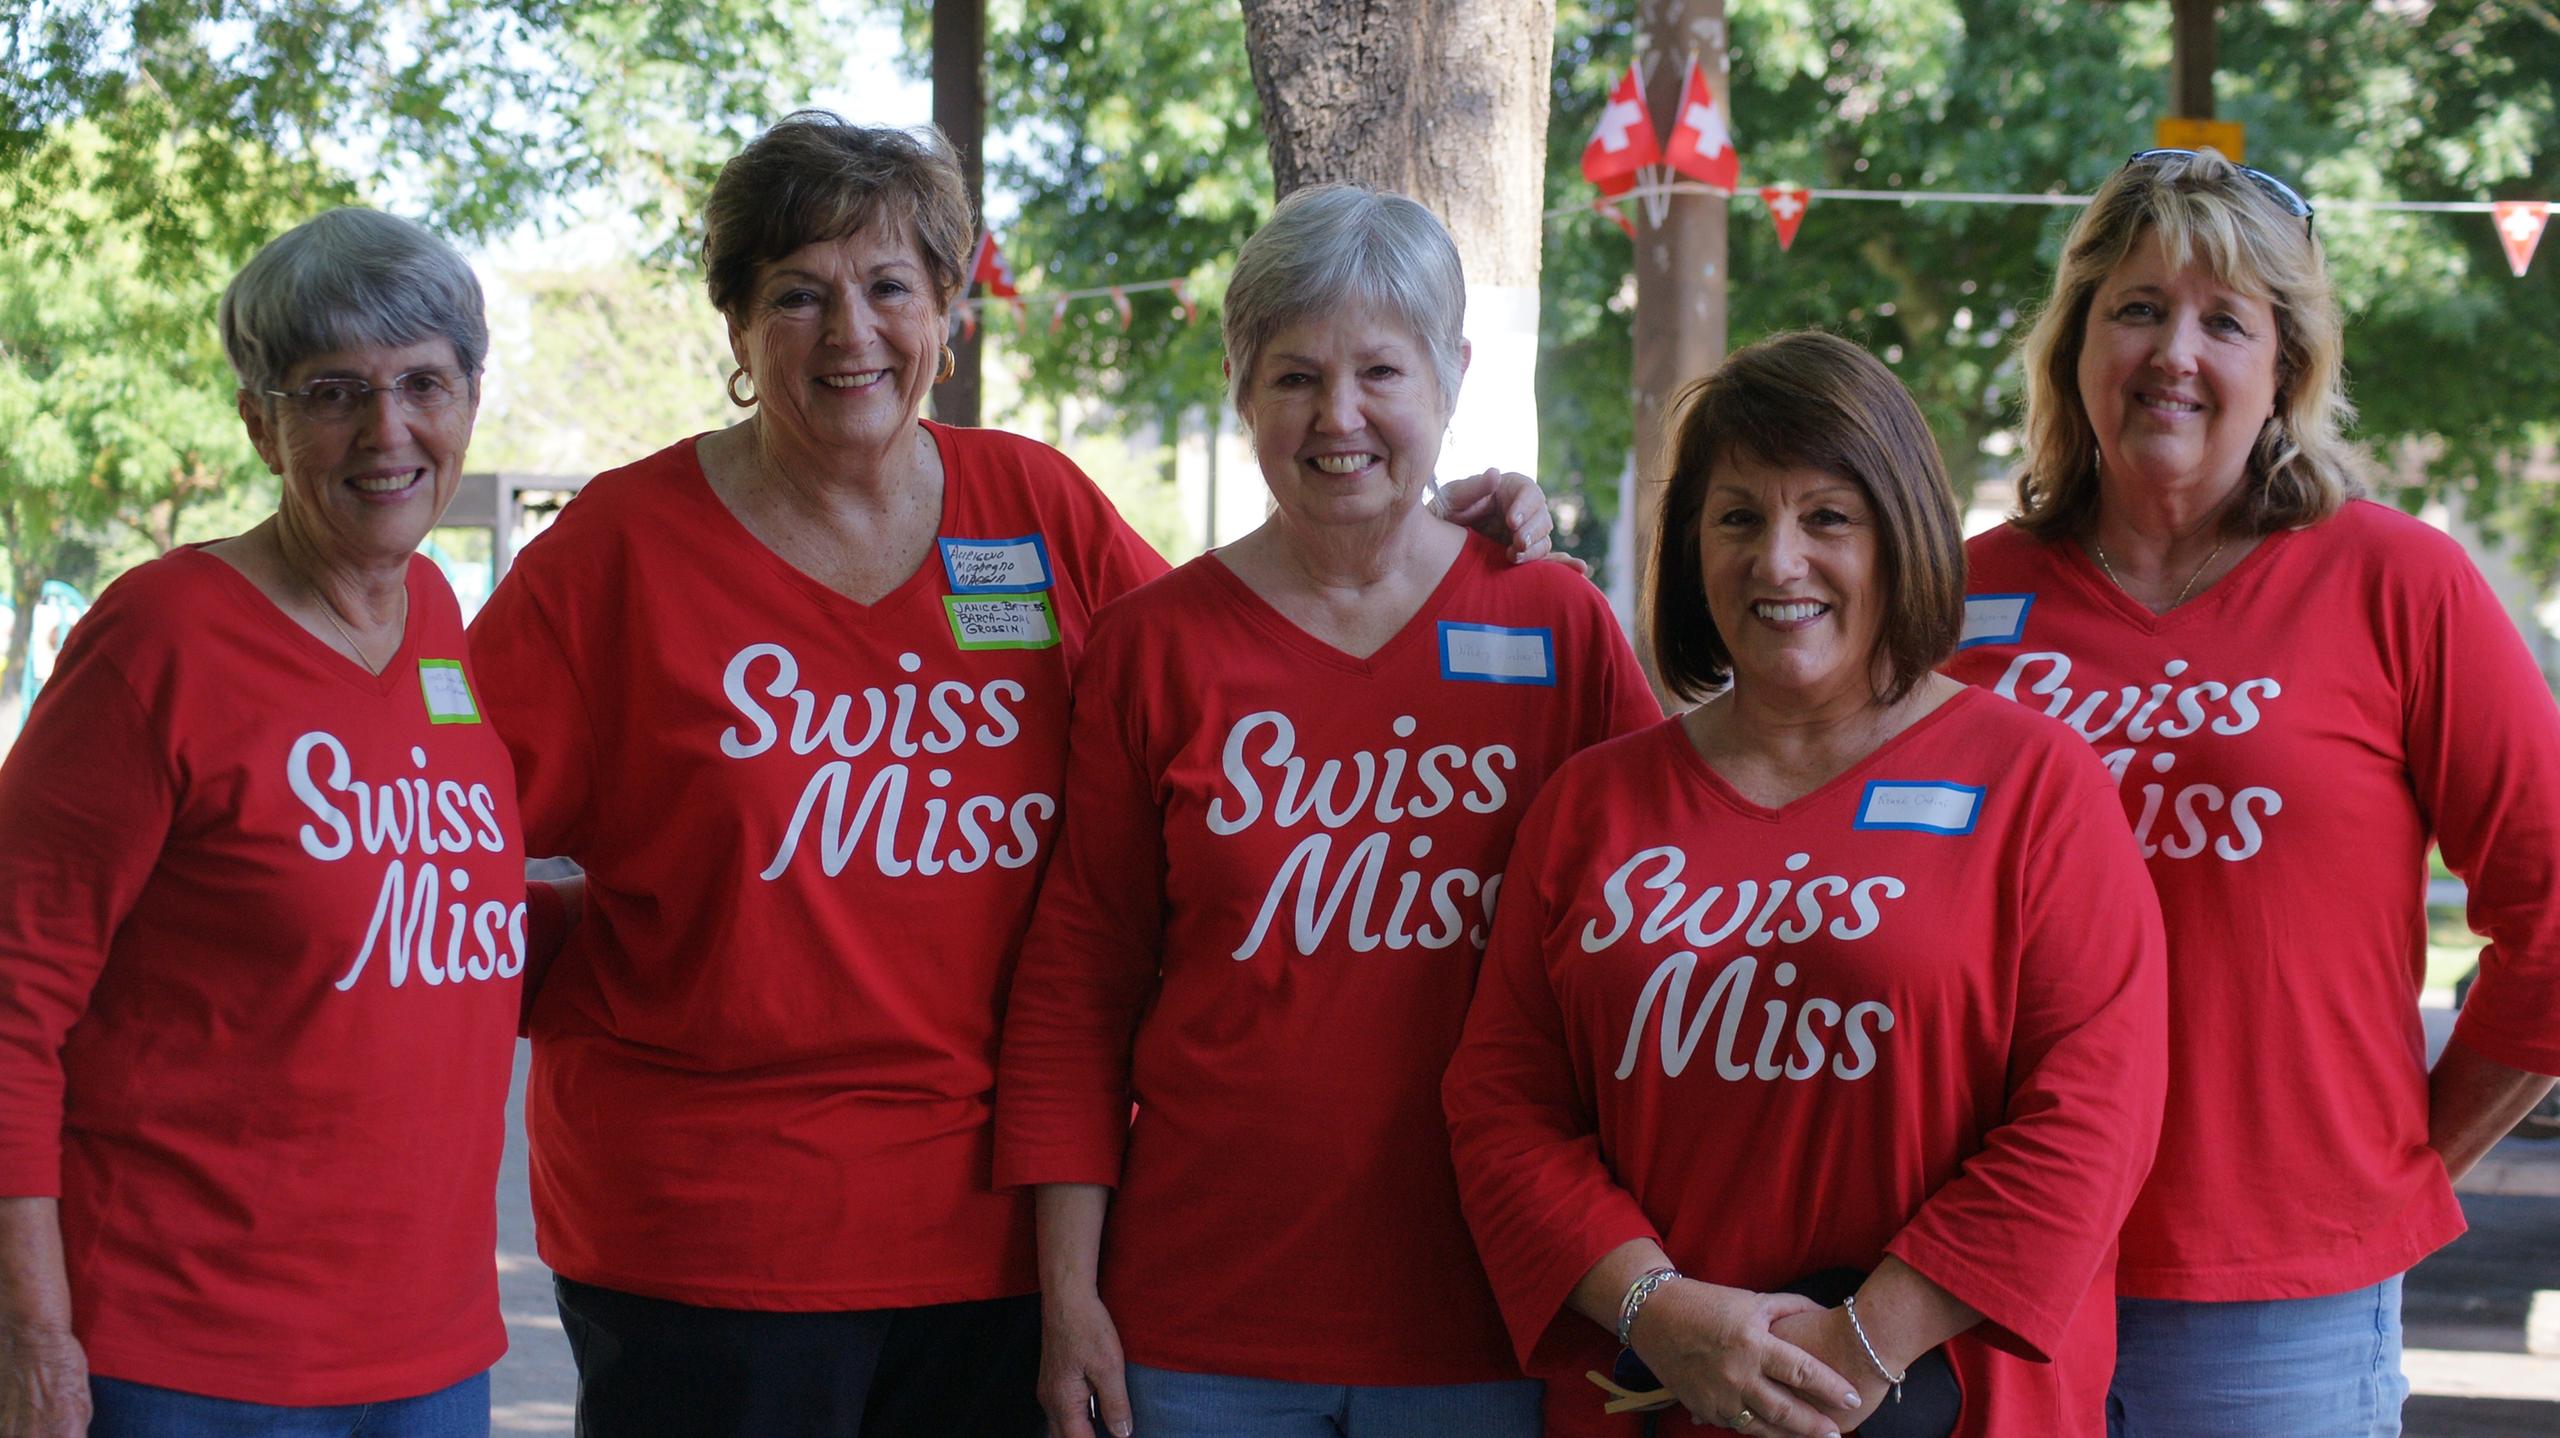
1137, 153
604, 364
2451, 358
219, 116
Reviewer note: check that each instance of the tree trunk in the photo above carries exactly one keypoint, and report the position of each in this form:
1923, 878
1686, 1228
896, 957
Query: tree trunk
1444, 101
960, 109
26, 586
1681, 309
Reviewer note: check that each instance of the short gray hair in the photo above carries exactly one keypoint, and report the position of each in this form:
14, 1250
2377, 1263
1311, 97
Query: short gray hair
1332, 245
344, 280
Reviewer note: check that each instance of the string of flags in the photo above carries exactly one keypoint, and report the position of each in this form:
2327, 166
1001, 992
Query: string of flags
1627, 164
1624, 162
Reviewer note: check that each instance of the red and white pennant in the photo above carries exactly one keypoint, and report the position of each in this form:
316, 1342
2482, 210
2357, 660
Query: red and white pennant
2520, 225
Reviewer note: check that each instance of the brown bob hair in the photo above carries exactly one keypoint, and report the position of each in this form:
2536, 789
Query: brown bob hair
2196, 206
817, 176
1817, 401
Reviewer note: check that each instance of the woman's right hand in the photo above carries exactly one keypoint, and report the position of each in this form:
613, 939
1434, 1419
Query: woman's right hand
1712, 1347
1081, 1373
44, 1384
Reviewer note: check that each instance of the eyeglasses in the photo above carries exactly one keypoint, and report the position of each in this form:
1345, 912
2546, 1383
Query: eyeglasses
2268, 185
335, 401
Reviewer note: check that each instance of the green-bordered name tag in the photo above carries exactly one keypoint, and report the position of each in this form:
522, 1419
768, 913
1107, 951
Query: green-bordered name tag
1002, 621
448, 692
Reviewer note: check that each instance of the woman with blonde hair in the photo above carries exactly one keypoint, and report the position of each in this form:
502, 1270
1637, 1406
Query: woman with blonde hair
2298, 691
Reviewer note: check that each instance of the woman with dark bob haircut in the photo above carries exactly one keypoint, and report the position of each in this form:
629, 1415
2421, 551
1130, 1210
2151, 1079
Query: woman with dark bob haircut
2298, 691
263, 917
1819, 1047
794, 695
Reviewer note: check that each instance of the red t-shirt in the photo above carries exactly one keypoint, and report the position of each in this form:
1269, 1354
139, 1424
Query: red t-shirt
1286, 859
1917, 1012
261, 920
2285, 745
812, 831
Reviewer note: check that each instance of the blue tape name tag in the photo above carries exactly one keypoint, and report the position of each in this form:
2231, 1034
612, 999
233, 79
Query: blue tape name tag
1490, 654
1920, 808
996, 566
1994, 619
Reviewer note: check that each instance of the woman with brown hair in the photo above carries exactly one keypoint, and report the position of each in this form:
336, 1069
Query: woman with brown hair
1848, 979
794, 694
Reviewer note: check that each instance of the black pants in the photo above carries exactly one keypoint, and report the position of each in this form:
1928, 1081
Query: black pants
648, 1368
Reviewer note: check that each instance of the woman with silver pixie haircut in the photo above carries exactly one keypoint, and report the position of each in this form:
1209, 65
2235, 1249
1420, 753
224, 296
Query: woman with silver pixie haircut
2299, 691
1273, 890
262, 917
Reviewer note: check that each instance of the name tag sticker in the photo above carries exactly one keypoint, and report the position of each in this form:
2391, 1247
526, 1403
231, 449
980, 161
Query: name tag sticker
1994, 619
1024, 621
1920, 808
1490, 654
996, 566
448, 692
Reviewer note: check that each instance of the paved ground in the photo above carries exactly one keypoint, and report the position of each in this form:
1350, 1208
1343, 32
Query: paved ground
2483, 1316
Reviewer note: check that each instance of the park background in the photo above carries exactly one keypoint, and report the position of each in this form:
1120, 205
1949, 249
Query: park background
148, 146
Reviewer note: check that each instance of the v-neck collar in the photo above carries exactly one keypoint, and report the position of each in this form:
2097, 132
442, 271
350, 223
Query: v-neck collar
1723, 792
319, 652
2216, 597
1286, 631
928, 572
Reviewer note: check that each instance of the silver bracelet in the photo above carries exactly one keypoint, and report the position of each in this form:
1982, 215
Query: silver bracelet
1637, 1293
1851, 1303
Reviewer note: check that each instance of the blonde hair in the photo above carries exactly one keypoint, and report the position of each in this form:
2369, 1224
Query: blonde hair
2198, 206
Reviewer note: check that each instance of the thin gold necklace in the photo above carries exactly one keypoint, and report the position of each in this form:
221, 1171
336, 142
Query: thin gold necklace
331, 610
2100, 550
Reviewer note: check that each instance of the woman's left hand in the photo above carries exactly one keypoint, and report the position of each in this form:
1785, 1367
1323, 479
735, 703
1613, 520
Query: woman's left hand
1825, 1333
1508, 509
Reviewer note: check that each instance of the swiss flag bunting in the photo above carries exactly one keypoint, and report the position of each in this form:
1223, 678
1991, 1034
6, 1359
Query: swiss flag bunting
1182, 302
1787, 205
1120, 302
1607, 207
988, 268
2520, 225
1701, 140
1623, 141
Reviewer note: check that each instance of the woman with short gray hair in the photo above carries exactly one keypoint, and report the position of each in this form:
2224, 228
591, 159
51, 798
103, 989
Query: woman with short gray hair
1278, 869
262, 917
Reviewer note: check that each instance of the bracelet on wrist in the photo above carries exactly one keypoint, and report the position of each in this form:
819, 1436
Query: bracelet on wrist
1637, 1293
1895, 1379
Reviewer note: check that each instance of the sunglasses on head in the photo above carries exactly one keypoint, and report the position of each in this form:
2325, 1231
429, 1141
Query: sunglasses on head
2268, 185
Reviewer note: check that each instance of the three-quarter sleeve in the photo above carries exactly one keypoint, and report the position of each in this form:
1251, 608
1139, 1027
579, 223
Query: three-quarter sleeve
87, 798
1537, 1191
2484, 761
2023, 1230
1089, 962
535, 698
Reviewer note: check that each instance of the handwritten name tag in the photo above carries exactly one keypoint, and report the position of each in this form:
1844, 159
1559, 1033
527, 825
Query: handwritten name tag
1920, 808
1994, 619
448, 692
1490, 654
1010, 622
996, 566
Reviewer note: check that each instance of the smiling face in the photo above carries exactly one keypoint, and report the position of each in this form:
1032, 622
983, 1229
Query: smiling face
842, 338
1346, 417
2178, 373
1793, 575
364, 490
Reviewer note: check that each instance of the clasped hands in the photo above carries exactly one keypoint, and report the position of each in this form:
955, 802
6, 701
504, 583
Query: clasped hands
1773, 1364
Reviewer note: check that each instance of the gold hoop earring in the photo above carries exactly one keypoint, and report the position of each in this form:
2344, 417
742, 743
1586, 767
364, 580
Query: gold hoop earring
748, 401
950, 365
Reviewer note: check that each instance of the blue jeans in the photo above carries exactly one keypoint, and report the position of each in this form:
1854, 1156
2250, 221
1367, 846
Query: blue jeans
2286, 1368
1166, 1403
138, 1410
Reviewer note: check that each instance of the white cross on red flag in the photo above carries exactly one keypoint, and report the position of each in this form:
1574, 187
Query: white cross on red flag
2520, 225
1623, 141
1701, 141
989, 268
1787, 204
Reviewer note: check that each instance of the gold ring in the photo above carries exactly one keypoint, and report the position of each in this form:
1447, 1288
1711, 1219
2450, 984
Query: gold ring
1742, 1421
